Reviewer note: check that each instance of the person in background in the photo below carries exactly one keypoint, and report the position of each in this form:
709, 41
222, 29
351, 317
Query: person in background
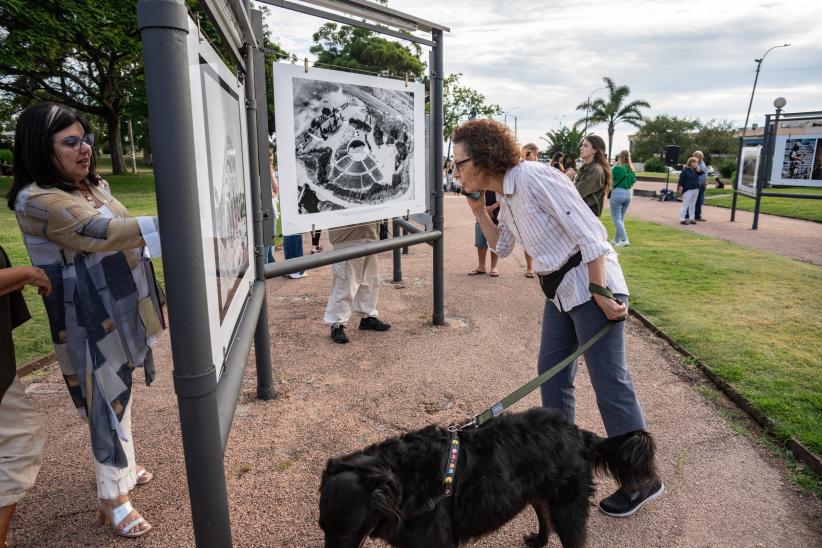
105, 308
624, 177
583, 284
571, 173
268, 252
22, 432
315, 241
703, 184
492, 206
689, 187
355, 283
558, 161
593, 180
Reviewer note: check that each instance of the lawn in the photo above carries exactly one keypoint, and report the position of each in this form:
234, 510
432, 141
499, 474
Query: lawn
754, 318
797, 208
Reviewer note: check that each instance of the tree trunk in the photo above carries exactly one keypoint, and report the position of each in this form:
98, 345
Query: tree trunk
610, 140
115, 143
147, 160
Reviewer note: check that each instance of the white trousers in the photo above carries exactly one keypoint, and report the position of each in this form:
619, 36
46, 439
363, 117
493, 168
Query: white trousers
113, 482
355, 285
22, 439
688, 204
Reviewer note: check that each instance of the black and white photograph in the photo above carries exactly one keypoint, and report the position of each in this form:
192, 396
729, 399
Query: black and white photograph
750, 167
224, 192
349, 150
797, 158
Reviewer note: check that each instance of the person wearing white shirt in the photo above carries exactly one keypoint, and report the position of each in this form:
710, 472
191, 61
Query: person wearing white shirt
542, 210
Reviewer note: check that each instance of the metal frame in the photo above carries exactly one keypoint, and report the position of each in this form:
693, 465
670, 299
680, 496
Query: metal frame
770, 133
207, 406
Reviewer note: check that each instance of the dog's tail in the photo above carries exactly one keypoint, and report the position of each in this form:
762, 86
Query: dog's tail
628, 458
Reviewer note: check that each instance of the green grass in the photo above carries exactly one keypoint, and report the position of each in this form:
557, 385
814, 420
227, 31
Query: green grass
752, 317
797, 208
31, 340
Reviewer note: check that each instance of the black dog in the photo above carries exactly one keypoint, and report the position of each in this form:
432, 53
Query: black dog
393, 490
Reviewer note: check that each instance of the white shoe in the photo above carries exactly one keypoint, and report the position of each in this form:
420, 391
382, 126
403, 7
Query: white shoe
623, 243
297, 275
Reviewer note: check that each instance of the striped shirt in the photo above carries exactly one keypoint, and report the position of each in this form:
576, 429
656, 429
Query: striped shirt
542, 210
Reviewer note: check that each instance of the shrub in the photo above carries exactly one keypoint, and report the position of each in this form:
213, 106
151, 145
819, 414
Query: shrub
655, 165
727, 167
5, 156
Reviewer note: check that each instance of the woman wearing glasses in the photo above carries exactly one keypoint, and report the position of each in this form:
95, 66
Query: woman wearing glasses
541, 209
105, 306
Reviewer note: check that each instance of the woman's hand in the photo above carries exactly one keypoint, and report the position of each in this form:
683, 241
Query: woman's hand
611, 309
478, 205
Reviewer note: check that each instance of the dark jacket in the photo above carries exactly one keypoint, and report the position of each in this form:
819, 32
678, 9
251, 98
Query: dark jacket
13, 312
590, 182
689, 179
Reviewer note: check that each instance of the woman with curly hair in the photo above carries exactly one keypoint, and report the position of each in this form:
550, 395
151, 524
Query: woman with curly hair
593, 180
541, 209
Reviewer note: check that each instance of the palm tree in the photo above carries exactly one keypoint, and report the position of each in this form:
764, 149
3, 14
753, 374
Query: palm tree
613, 111
566, 140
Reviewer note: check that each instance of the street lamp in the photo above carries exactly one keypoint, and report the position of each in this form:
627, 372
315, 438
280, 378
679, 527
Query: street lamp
587, 106
758, 66
560, 119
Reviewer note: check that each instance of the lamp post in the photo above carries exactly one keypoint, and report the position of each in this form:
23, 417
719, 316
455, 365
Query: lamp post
767, 151
588, 106
758, 66
560, 119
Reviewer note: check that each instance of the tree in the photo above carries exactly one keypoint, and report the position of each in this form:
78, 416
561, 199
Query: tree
85, 54
566, 140
460, 102
656, 133
614, 111
360, 49
716, 137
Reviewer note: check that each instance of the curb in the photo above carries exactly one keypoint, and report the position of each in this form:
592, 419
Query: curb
35, 365
801, 452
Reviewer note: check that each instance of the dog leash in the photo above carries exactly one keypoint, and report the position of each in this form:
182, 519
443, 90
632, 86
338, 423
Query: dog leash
478, 420
530, 386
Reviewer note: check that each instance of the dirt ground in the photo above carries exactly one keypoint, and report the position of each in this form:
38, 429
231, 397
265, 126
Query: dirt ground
723, 489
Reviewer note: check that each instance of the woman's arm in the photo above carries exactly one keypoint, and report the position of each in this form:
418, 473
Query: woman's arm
17, 277
596, 275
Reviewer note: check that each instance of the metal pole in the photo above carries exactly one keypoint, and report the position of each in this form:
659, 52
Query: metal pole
736, 179
163, 28
766, 169
438, 220
395, 228
133, 155
262, 343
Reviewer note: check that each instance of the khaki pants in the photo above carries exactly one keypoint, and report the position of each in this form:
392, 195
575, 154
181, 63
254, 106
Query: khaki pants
355, 285
22, 439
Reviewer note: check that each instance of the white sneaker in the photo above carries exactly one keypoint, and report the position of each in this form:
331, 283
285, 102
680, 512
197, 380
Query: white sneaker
623, 243
297, 275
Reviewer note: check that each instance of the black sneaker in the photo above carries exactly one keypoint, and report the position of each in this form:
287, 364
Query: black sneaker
622, 504
701, 219
338, 334
374, 324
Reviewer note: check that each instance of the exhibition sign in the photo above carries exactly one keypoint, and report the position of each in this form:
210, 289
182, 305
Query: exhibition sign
350, 147
798, 154
223, 179
746, 178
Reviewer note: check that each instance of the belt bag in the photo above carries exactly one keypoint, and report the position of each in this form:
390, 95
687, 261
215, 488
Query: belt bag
550, 282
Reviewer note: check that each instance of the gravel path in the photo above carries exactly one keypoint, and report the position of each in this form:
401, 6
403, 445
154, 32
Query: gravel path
723, 489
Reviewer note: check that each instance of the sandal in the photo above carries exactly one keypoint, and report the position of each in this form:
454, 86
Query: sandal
476, 272
494, 274
143, 476
116, 519
529, 274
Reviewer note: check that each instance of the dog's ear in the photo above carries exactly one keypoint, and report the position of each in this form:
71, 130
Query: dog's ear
386, 499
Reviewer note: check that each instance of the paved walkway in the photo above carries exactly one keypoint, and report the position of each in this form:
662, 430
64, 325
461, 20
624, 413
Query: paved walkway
801, 240
723, 489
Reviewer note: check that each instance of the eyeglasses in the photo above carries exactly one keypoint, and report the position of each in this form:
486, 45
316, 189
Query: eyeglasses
73, 142
458, 164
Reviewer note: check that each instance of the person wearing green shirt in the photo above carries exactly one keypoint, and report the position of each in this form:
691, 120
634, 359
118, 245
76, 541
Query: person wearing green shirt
624, 177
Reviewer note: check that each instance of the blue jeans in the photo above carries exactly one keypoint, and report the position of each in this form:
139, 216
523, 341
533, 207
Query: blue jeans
699, 201
562, 333
620, 200
293, 247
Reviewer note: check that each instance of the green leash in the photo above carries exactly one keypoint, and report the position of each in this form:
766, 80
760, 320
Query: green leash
521, 392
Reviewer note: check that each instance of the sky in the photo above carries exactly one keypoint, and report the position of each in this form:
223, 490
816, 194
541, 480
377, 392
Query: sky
538, 60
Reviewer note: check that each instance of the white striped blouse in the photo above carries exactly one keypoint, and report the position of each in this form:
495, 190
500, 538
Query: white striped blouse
542, 210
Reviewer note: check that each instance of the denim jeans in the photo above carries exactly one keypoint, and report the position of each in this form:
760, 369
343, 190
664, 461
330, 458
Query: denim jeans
700, 199
620, 200
293, 247
562, 333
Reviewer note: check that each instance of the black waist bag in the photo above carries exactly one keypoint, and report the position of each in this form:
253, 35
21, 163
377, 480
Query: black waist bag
550, 282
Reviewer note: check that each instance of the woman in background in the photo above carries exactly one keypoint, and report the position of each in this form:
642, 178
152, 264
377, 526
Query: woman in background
593, 180
624, 178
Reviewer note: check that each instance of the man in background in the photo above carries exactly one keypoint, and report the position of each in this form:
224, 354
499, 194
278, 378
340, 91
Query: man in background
703, 184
